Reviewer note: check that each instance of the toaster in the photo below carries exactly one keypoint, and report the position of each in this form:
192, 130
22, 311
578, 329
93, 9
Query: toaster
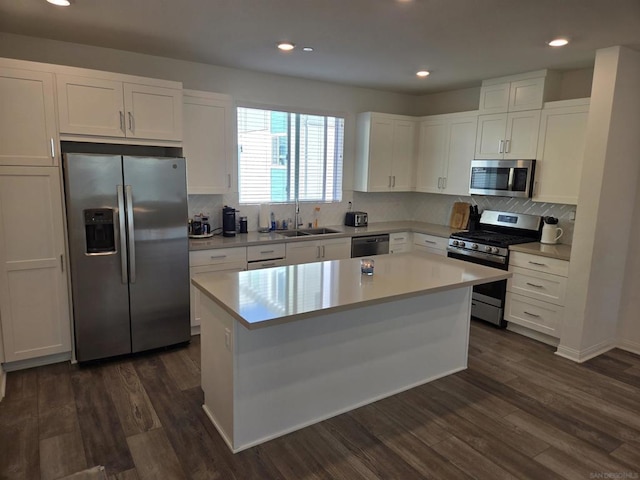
356, 219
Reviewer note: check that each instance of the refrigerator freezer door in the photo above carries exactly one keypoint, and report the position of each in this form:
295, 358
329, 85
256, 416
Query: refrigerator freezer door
98, 275
159, 269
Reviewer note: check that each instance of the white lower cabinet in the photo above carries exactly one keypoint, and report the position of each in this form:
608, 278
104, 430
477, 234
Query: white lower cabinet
207, 261
430, 244
318, 250
536, 292
34, 298
400, 242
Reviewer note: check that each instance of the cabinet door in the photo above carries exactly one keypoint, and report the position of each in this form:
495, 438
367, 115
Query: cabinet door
335, 249
34, 303
404, 138
522, 135
560, 154
494, 98
432, 152
208, 142
461, 138
90, 106
380, 154
27, 118
526, 94
303, 252
235, 266
153, 112
490, 136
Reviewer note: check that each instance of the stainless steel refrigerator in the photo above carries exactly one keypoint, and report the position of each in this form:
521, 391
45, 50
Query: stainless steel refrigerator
128, 240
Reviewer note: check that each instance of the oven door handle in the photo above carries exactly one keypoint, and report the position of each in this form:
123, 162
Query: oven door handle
489, 258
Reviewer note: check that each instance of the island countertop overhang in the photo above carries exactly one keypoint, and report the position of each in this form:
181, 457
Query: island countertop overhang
267, 297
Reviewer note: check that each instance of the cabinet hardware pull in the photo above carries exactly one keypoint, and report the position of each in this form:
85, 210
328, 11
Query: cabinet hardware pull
431, 242
501, 146
538, 264
534, 285
507, 145
399, 238
130, 121
439, 182
444, 183
532, 314
62, 262
122, 121
213, 257
53, 149
266, 251
322, 251
394, 181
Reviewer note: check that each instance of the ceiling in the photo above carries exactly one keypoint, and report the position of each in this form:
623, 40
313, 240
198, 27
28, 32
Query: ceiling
369, 43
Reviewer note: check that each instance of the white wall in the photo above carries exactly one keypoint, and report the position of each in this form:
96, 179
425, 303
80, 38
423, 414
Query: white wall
462, 100
605, 206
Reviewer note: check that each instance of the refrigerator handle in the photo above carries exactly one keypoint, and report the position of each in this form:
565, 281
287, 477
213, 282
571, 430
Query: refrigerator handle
130, 229
123, 235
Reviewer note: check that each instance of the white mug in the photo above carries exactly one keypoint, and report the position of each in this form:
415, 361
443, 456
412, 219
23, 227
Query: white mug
551, 234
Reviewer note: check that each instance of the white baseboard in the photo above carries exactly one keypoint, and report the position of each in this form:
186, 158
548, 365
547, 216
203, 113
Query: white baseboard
580, 356
629, 346
37, 362
195, 330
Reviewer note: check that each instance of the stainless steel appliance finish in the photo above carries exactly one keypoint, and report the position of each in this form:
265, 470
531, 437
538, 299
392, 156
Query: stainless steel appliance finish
356, 219
490, 246
369, 245
130, 294
504, 178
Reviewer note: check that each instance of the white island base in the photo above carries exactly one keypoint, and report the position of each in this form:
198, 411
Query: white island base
263, 383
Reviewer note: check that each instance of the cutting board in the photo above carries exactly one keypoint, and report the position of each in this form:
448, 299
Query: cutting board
459, 215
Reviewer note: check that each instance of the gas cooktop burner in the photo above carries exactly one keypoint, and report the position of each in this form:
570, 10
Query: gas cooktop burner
488, 237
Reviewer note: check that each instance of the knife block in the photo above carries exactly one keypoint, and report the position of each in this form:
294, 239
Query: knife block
474, 222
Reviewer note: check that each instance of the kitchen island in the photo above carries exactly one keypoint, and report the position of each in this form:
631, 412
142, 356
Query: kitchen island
286, 347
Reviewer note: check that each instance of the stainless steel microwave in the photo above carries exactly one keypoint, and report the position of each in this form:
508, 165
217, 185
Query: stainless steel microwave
504, 178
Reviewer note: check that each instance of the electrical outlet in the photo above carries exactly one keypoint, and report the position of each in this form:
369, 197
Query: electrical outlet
227, 338
572, 215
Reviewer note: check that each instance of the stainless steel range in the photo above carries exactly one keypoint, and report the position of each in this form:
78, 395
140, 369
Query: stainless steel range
489, 245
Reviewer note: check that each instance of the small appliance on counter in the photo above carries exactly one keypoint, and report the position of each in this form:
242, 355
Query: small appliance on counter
551, 233
356, 219
228, 221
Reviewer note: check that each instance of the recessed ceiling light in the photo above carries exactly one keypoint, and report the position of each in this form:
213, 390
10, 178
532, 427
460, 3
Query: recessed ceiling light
60, 3
307, 49
423, 73
558, 42
286, 46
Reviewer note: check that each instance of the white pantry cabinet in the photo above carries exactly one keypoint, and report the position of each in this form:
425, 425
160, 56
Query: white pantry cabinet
508, 135
385, 152
207, 261
318, 250
208, 142
110, 107
563, 127
28, 130
446, 148
34, 301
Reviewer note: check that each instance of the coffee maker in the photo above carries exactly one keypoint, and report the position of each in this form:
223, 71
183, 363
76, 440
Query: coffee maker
228, 221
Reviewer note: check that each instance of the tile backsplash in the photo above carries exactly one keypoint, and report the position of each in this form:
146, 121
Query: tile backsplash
381, 207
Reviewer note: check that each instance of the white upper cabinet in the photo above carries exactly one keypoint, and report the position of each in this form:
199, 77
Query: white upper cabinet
208, 142
110, 107
445, 151
28, 131
34, 301
385, 153
508, 135
515, 93
563, 127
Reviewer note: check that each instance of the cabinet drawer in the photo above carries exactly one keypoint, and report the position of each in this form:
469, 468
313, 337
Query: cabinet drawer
541, 286
534, 314
435, 251
399, 238
266, 264
430, 241
400, 248
538, 263
217, 256
265, 252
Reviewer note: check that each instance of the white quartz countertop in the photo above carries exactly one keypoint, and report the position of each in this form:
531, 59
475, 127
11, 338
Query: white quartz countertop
256, 238
271, 296
559, 251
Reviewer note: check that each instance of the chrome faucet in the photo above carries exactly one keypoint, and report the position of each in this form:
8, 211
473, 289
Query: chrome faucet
296, 220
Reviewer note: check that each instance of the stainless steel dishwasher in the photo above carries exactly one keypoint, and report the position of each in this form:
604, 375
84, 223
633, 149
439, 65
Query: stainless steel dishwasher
369, 245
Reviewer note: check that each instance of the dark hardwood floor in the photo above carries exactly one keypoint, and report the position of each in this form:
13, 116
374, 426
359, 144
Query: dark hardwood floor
519, 411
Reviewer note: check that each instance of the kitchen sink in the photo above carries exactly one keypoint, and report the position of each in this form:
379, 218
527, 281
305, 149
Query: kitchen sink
305, 232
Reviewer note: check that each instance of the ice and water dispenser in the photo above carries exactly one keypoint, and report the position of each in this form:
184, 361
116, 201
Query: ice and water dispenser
99, 230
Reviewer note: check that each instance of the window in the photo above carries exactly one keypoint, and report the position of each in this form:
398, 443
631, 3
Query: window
283, 157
